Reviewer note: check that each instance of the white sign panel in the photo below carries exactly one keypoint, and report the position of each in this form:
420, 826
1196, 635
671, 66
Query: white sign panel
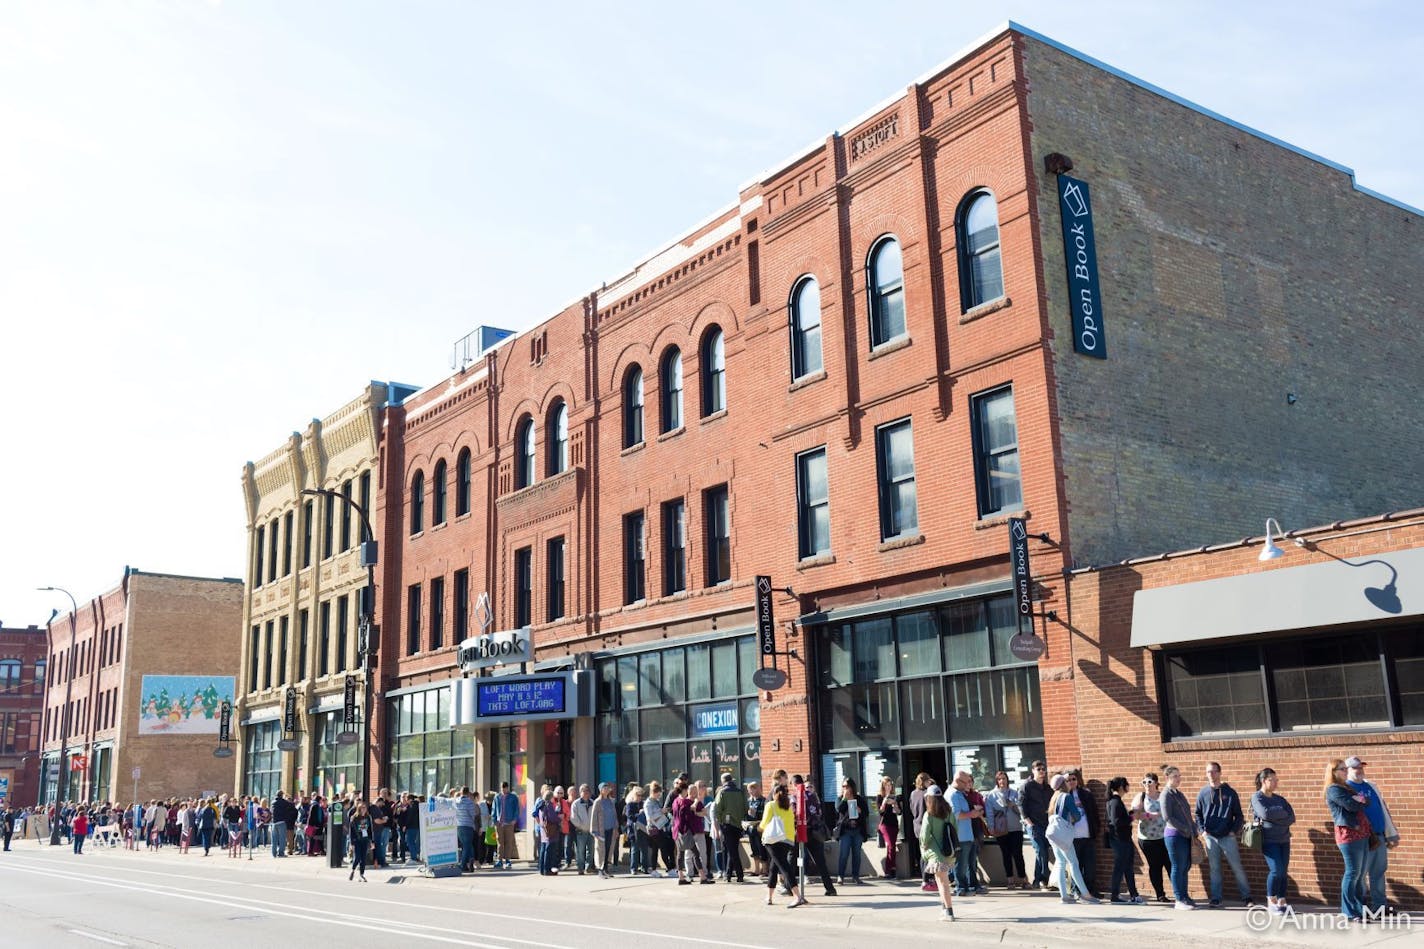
439, 838
503, 648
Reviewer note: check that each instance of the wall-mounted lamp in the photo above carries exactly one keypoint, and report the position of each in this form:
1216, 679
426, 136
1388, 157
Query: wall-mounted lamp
1270, 551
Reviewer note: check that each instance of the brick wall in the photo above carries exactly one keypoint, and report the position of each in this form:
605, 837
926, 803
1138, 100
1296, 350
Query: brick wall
1108, 716
1236, 273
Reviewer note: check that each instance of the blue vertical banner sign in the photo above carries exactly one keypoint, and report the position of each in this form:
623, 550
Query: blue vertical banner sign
1080, 257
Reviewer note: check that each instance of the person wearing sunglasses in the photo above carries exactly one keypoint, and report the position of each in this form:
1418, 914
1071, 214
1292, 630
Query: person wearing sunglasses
1147, 810
1372, 877
1352, 836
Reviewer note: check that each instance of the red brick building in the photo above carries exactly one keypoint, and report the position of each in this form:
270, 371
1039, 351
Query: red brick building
849, 380
22, 685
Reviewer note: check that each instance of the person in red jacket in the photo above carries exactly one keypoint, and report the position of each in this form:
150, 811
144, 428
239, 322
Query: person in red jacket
79, 830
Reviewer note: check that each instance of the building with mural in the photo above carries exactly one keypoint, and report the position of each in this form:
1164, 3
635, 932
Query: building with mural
137, 680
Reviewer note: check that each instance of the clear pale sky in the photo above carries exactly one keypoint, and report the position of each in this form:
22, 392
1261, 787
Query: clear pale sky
220, 220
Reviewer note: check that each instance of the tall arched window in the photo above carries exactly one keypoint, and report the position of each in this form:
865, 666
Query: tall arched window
417, 502
462, 483
714, 373
437, 493
670, 377
524, 453
981, 271
805, 308
558, 429
885, 283
633, 408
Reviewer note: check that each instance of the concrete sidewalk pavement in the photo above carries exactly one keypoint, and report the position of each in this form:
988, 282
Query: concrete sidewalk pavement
1020, 918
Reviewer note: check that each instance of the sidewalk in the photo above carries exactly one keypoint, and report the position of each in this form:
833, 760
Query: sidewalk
1016, 918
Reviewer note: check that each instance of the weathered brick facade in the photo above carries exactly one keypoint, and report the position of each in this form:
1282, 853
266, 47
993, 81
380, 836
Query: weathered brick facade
151, 624
23, 654
1256, 306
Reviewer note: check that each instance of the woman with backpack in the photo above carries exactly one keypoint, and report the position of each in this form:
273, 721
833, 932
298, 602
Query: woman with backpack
939, 846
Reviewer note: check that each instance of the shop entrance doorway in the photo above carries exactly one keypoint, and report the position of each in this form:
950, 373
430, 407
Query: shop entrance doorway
932, 761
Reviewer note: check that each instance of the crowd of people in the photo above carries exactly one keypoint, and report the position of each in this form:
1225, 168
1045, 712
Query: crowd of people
693, 832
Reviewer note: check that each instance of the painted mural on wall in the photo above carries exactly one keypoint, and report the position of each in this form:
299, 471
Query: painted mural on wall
183, 705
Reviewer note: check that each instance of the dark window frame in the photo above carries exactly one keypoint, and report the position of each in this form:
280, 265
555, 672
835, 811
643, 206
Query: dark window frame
525, 452
437, 493
555, 569
557, 435
523, 581
670, 386
806, 505
717, 532
988, 458
463, 479
885, 294
673, 518
971, 292
633, 407
893, 527
799, 317
712, 355
417, 502
634, 557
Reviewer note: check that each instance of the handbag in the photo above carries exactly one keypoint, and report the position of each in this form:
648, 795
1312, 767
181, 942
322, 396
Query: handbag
775, 832
1059, 832
1253, 836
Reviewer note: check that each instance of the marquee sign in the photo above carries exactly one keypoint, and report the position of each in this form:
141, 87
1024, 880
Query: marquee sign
506, 647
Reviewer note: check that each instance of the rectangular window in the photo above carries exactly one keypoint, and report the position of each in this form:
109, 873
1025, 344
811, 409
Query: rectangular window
1218, 692
716, 510
895, 463
287, 521
346, 515
813, 503
343, 620
633, 554
462, 606
267, 646
412, 619
272, 545
437, 612
523, 586
328, 527
365, 500
324, 656
282, 631
307, 514
1327, 683
554, 560
996, 452
254, 656
258, 547
303, 629
674, 546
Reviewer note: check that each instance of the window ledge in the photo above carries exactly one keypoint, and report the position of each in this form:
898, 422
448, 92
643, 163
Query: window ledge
673, 433
416, 534
439, 527
464, 517
984, 309
720, 413
913, 540
806, 380
631, 449
820, 560
891, 346
1000, 519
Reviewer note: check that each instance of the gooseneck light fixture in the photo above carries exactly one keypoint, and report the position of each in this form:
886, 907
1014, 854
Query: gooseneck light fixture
1270, 551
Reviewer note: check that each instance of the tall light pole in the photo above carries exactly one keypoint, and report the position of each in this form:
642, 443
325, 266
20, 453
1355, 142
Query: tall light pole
61, 779
365, 647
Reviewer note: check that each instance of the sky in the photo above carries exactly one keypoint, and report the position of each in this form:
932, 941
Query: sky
219, 220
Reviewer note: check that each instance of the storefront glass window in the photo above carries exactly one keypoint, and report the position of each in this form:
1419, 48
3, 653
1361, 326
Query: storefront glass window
425, 751
337, 766
264, 761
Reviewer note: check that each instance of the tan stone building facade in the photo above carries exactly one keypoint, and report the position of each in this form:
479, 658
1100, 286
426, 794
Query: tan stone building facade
135, 683
304, 593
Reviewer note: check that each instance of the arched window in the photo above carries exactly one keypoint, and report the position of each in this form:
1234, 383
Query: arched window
981, 271
437, 494
670, 376
805, 308
417, 502
462, 483
558, 429
524, 453
714, 373
885, 283
633, 408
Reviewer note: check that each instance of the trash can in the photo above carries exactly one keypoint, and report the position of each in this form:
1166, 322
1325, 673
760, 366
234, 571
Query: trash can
335, 836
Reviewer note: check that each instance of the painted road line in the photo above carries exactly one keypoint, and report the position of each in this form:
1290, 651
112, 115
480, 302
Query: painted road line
97, 937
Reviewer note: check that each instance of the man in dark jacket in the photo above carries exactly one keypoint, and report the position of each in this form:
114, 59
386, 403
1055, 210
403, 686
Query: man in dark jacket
729, 809
284, 820
1087, 848
1218, 814
1035, 795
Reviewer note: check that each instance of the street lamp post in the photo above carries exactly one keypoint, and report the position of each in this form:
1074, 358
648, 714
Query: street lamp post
61, 779
365, 648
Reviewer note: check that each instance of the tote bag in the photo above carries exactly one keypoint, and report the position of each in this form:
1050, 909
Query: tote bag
1060, 832
775, 832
